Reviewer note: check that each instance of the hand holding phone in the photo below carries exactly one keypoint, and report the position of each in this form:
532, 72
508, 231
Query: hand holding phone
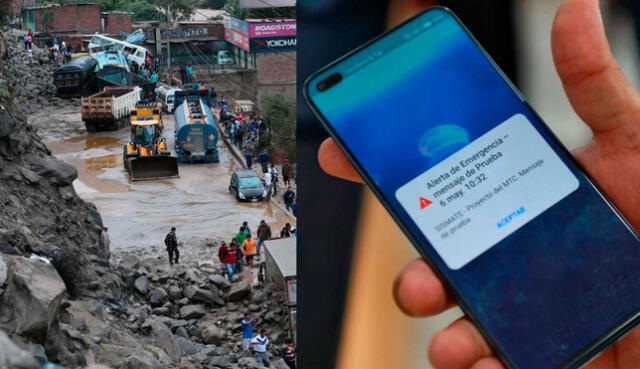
608, 103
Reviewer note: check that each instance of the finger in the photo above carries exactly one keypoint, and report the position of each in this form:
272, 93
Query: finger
419, 292
334, 161
489, 363
596, 86
459, 346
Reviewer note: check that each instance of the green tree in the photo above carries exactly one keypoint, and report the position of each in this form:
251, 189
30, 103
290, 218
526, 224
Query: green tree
175, 10
143, 10
233, 7
279, 112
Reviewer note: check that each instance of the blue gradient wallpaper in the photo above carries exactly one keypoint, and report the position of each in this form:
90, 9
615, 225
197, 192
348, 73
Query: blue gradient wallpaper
417, 96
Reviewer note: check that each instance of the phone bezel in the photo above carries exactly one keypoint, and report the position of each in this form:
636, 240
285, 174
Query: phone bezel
591, 350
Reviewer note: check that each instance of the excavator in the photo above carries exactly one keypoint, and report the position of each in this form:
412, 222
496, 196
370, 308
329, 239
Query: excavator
147, 156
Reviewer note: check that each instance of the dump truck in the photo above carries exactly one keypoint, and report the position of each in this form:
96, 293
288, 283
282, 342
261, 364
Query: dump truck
115, 76
147, 156
196, 134
109, 110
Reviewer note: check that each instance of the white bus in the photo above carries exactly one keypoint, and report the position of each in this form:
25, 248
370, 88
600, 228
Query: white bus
132, 52
167, 96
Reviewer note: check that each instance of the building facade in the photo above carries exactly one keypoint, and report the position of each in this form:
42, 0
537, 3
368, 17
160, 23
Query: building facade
268, 46
83, 18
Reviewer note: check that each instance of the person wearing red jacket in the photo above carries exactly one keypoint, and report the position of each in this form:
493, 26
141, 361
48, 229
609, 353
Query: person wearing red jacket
227, 255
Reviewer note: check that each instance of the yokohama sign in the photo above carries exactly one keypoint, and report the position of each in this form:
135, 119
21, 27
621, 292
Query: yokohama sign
273, 44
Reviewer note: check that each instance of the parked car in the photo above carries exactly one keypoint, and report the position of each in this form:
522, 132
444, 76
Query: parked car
246, 185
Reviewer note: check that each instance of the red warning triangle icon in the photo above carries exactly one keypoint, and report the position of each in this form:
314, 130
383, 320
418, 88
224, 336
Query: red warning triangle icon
424, 203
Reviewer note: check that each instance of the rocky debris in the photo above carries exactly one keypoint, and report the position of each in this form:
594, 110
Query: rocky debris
60, 172
209, 297
142, 285
238, 291
3, 271
220, 281
157, 296
12, 356
40, 212
192, 312
210, 333
32, 297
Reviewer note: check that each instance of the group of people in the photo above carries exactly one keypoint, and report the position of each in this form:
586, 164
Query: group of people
243, 245
58, 51
259, 344
149, 70
186, 74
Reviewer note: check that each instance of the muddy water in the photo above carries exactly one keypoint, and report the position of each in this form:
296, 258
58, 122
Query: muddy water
139, 214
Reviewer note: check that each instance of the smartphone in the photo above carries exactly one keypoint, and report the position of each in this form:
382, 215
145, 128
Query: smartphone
537, 257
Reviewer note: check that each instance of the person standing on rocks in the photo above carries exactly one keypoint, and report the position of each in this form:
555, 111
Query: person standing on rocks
249, 247
247, 330
171, 241
288, 198
30, 56
264, 233
227, 255
241, 235
286, 172
260, 345
239, 255
245, 225
289, 354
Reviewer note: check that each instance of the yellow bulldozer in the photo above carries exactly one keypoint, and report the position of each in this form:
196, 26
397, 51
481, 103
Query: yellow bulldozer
147, 156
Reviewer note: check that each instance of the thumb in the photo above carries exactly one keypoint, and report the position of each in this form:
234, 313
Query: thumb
596, 86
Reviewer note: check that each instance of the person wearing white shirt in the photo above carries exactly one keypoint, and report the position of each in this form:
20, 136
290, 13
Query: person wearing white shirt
259, 346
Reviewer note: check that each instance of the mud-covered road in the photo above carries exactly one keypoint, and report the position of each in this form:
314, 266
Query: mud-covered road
140, 214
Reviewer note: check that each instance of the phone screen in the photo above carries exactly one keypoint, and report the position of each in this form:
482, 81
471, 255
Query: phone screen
536, 255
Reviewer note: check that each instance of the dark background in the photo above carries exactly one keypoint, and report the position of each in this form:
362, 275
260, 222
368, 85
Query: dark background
328, 207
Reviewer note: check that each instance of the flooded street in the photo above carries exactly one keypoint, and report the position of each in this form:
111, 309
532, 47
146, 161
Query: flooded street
139, 214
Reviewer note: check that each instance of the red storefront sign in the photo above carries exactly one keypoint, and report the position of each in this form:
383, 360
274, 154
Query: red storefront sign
237, 38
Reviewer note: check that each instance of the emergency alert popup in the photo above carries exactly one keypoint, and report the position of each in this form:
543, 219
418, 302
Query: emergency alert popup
484, 192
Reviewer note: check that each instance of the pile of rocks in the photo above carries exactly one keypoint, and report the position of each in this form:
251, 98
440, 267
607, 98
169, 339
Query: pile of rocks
185, 316
35, 80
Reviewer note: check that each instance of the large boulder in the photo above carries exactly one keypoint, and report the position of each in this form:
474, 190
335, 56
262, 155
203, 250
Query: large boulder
204, 296
164, 339
238, 291
175, 293
187, 347
32, 296
212, 334
157, 296
142, 285
220, 281
12, 356
60, 173
248, 363
192, 312
141, 360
